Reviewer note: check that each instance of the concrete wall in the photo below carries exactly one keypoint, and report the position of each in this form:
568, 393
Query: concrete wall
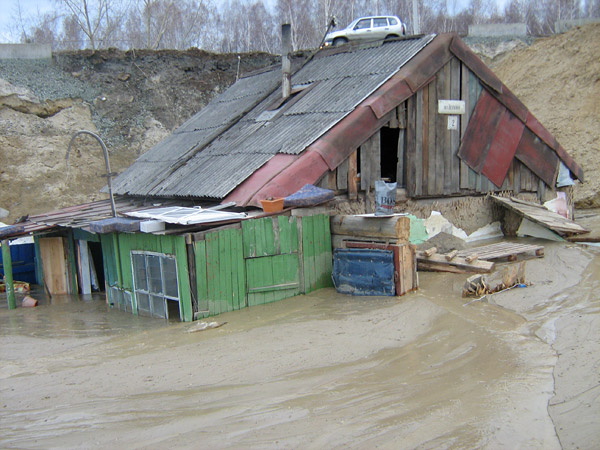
498, 29
565, 25
25, 51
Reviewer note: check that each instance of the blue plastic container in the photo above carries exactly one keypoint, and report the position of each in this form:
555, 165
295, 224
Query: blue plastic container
363, 272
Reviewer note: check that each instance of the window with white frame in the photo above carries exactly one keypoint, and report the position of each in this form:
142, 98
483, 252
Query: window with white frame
155, 284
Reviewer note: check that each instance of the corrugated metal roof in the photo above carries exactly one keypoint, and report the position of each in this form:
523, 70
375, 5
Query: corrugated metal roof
78, 216
221, 146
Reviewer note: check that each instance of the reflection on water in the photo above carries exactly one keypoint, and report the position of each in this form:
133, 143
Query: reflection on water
70, 316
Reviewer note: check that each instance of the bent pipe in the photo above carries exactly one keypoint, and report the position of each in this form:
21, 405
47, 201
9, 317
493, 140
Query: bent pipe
106, 161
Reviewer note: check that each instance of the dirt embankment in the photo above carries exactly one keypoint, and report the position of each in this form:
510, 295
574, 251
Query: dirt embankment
558, 79
131, 99
134, 99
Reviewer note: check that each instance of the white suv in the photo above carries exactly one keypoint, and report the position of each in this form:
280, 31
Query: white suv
371, 28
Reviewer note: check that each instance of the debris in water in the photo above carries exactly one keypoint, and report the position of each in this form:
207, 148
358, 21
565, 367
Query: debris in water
201, 326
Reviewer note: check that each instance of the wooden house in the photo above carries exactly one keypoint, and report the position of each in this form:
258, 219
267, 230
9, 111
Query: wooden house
422, 111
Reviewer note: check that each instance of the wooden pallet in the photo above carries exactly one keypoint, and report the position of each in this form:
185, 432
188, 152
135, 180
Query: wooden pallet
509, 250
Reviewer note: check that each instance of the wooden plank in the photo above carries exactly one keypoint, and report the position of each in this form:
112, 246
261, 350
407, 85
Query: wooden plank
457, 264
342, 176
395, 227
308, 255
400, 166
442, 135
454, 162
412, 131
503, 250
375, 159
365, 165
288, 234
401, 112
540, 215
427, 168
409, 279
201, 276
418, 160
464, 89
54, 265
352, 174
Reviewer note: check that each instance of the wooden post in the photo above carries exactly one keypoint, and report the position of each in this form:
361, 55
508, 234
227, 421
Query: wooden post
352, 174
8, 275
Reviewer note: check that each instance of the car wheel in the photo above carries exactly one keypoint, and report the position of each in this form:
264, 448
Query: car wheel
390, 37
339, 41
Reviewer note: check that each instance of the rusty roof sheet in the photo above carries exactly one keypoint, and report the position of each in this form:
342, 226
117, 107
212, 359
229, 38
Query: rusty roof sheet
78, 216
228, 140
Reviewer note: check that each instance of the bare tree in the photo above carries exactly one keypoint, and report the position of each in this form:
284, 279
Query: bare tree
94, 17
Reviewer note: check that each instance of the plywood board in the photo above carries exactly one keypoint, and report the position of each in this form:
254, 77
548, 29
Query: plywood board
542, 216
52, 251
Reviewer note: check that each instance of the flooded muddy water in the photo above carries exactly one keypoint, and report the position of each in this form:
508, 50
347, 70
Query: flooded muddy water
317, 371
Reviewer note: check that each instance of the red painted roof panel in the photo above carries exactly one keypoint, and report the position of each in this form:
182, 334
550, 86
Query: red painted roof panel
481, 131
503, 148
540, 158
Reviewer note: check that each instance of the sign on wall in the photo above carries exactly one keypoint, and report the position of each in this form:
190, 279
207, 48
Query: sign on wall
451, 107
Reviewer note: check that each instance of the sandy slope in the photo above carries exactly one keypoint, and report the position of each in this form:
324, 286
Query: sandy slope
558, 79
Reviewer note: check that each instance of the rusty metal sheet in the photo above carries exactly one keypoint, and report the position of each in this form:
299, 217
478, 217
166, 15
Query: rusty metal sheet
481, 130
389, 96
510, 100
308, 168
462, 52
538, 157
427, 62
534, 125
503, 148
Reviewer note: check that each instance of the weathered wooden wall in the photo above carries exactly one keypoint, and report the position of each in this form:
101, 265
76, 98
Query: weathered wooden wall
428, 163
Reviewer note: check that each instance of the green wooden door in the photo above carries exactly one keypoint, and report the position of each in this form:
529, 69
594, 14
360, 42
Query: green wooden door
273, 270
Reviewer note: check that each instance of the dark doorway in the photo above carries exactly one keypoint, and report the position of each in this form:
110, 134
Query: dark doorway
95, 249
389, 153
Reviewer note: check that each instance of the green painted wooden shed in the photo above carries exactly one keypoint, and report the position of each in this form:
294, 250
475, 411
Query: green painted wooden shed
202, 274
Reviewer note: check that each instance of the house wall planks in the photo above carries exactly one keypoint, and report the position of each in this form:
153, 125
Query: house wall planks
375, 159
352, 175
441, 132
400, 166
464, 88
411, 145
342, 175
453, 184
428, 164
365, 165
418, 146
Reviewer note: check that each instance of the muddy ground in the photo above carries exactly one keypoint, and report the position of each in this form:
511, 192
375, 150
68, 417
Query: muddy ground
516, 370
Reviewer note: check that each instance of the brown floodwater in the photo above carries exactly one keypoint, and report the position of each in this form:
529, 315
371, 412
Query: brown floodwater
317, 371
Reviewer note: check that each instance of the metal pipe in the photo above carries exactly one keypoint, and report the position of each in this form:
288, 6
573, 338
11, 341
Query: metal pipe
106, 161
286, 64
